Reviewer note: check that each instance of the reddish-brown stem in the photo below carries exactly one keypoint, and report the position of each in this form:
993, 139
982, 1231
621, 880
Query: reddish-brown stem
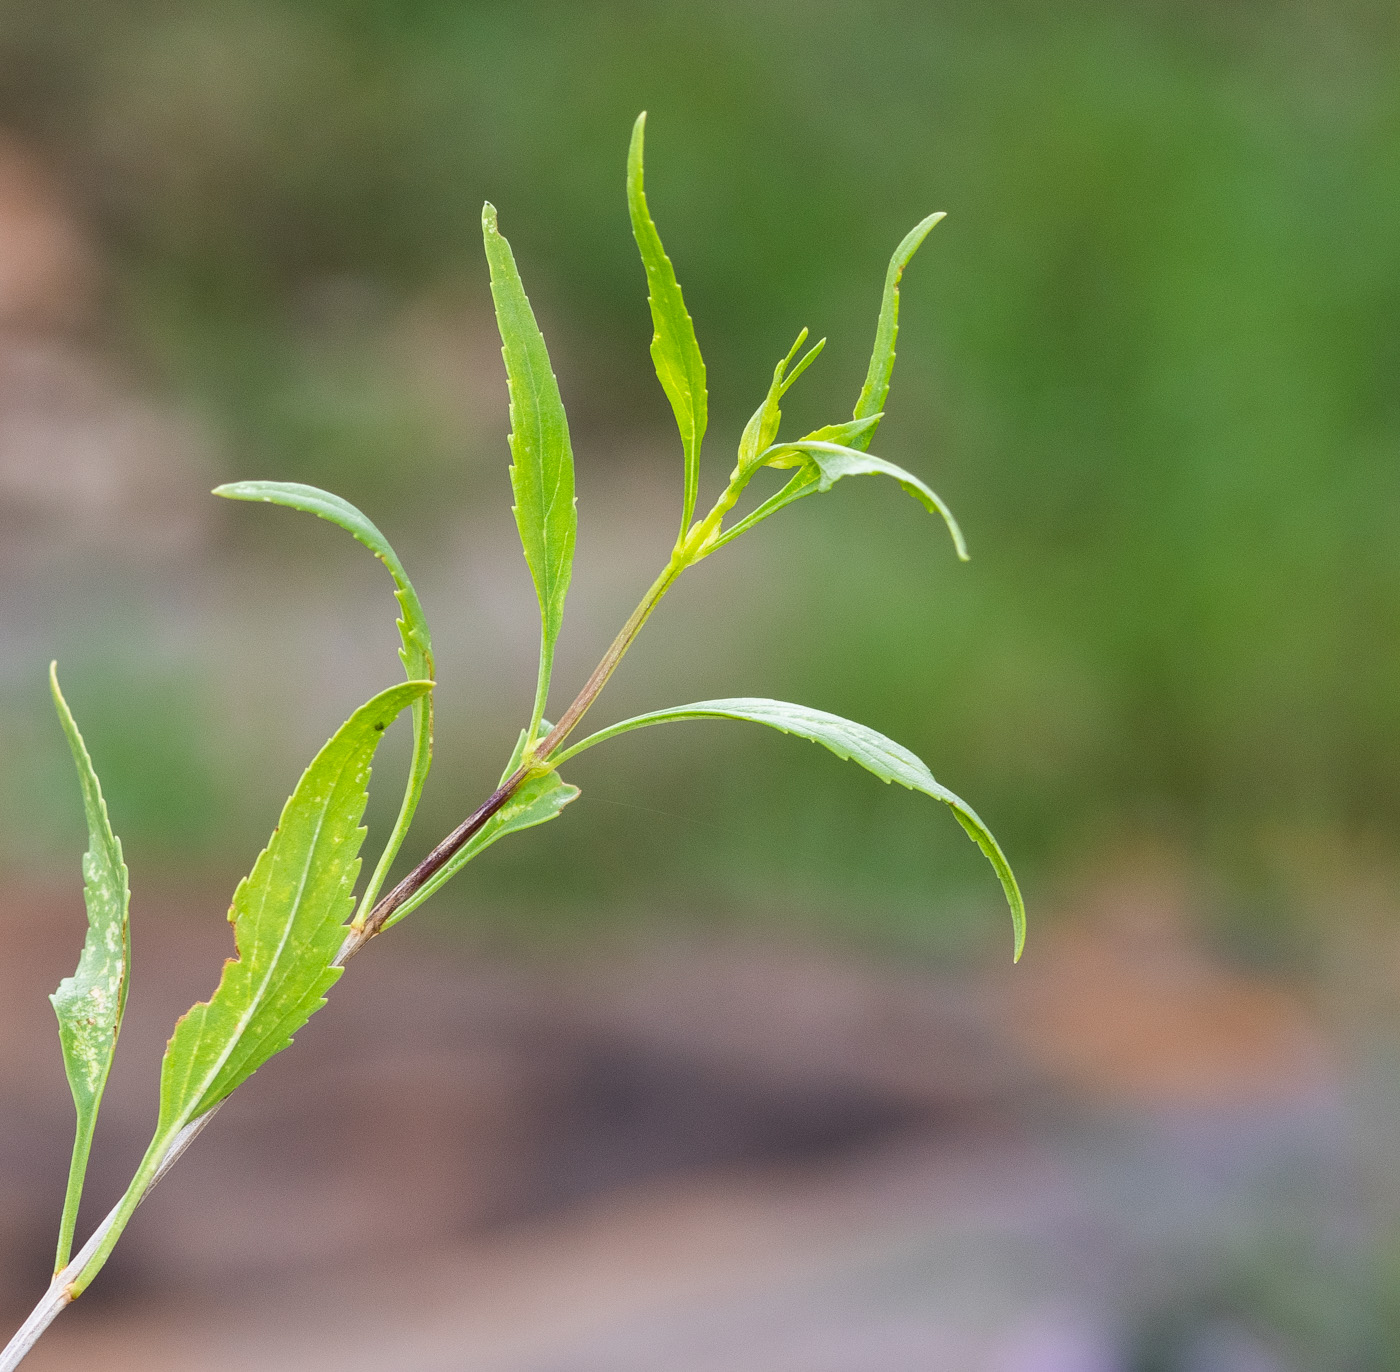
434, 862
431, 865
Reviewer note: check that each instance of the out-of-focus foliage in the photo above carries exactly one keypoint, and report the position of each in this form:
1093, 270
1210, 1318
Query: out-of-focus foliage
1151, 359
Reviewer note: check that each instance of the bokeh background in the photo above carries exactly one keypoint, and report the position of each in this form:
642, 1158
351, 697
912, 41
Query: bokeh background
728, 1068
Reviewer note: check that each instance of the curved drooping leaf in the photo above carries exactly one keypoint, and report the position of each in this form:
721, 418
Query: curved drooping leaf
90, 1003
537, 801
877, 377
833, 461
848, 434
289, 918
416, 651
854, 742
675, 353
542, 470
823, 460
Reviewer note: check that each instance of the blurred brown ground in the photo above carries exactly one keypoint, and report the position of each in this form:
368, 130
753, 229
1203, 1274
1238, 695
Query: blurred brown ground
727, 1155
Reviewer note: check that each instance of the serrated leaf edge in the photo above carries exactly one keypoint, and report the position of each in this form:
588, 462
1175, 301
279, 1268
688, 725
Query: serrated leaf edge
801, 720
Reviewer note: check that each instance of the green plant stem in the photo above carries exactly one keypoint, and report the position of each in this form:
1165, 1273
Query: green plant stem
541, 691
568, 721
472, 825
417, 770
697, 544
77, 1170
61, 1291
76, 1276
73, 1279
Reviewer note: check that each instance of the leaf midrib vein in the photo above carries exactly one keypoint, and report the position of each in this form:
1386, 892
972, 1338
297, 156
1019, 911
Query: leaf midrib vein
535, 446
256, 1004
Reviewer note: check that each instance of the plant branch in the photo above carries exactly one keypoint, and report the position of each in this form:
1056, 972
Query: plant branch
61, 1291
616, 650
430, 866
74, 1278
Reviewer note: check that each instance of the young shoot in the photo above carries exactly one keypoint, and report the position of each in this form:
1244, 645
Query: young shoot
296, 919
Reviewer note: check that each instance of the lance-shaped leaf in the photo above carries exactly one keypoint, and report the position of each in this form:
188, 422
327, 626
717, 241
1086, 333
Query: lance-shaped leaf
289, 918
89, 1004
877, 377
416, 650
674, 350
542, 470
855, 742
537, 801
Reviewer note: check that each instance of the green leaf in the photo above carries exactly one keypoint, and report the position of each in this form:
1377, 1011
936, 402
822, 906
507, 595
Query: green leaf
674, 350
823, 463
90, 1003
762, 428
847, 434
854, 742
877, 377
808, 358
756, 447
542, 470
289, 918
834, 461
537, 801
416, 651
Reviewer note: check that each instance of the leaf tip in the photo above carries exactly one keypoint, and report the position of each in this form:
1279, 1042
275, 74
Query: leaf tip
60, 704
1017, 903
488, 217
923, 228
635, 147
913, 241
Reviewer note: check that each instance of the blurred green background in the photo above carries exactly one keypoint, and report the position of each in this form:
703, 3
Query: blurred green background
1150, 359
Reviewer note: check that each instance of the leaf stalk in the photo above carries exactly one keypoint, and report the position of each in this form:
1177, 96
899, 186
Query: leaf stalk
77, 1170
